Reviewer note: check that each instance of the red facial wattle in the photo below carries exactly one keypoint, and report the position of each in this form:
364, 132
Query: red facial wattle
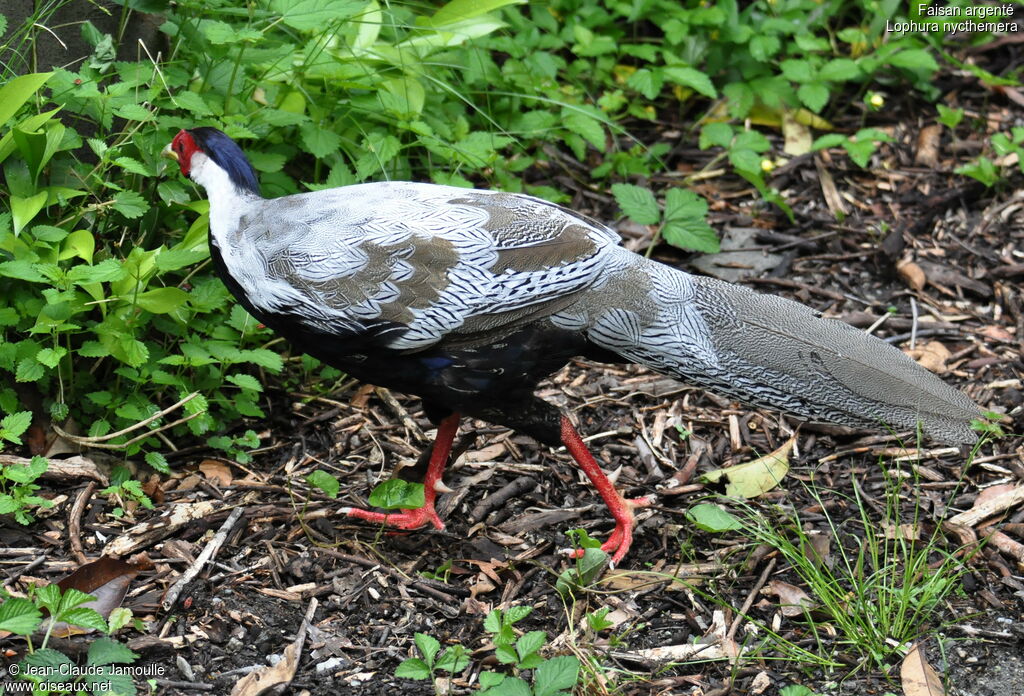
182, 148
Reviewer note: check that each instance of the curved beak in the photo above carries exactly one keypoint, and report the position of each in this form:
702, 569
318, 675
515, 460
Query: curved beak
169, 153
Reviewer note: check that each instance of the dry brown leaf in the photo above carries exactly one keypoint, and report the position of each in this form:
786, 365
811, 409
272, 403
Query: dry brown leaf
932, 355
106, 579
217, 471
928, 140
487, 454
793, 600
918, 677
911, 274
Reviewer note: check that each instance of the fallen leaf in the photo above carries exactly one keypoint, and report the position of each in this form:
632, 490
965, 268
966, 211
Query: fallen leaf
793, 600
753, 478
216, 471
918, 677
932, 355
928, 140
911, 274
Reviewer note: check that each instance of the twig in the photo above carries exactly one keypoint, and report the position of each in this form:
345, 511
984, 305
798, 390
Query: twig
75, 522
97, 441
208, 553
742, 613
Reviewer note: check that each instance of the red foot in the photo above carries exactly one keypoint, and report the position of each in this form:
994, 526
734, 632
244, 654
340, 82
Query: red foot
622, 536
414, 519
620, 508
407, 519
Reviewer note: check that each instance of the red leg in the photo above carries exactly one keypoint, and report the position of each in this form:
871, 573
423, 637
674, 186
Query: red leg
621, 508
414, 519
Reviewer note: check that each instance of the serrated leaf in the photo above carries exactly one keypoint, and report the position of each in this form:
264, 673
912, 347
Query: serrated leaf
647, 82
692, 78
509, 686
530, 643
19, 616
134, 166
158, 462
557, 674
130, 204
14, 425
319, 141
764, 46
413, 668
28, 370
106, 651
839, 70
105, 271
713, 134
637, 203
51, 357
397, 494
693, 235
587, 127
192, 102
813, 95
428, 646
245, 381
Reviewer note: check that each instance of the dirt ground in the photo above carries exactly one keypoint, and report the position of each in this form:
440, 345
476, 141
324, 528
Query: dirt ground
943, 252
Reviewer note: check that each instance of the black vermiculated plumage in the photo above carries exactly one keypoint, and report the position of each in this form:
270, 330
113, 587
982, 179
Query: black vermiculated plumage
469, 299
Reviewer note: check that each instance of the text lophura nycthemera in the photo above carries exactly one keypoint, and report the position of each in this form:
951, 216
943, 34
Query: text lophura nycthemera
469, 298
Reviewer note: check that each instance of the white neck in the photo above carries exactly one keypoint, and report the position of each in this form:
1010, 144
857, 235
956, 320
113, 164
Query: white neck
227, 201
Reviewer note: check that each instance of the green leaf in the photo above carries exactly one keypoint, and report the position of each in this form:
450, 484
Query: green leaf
517, 613
764, 46
106, 651
587, 127
84, 617
685, 224
161, 300
557, 674
428, 646
461, 10
689, 77
949, 117
692, 234
453, 660
51, 357
324, 481
19, 616
174, 259
158, 462
23, 210
245, 381
29, 370
914, 59
509, 686
637, 203
506, 654
646, 82
79, 243
18, 91
839, 70
413, 668
711, 518
530, 643
315, 15
813, 95
130, 204
397, 494
134, 166
13, 426
105, 271
22, 270
192, 102
712, 134
319, 141
797, 70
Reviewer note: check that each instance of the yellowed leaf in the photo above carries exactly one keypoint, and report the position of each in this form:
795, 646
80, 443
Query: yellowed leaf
753, 478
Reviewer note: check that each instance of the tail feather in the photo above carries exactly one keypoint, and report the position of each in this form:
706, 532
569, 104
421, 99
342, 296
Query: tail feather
769, 351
